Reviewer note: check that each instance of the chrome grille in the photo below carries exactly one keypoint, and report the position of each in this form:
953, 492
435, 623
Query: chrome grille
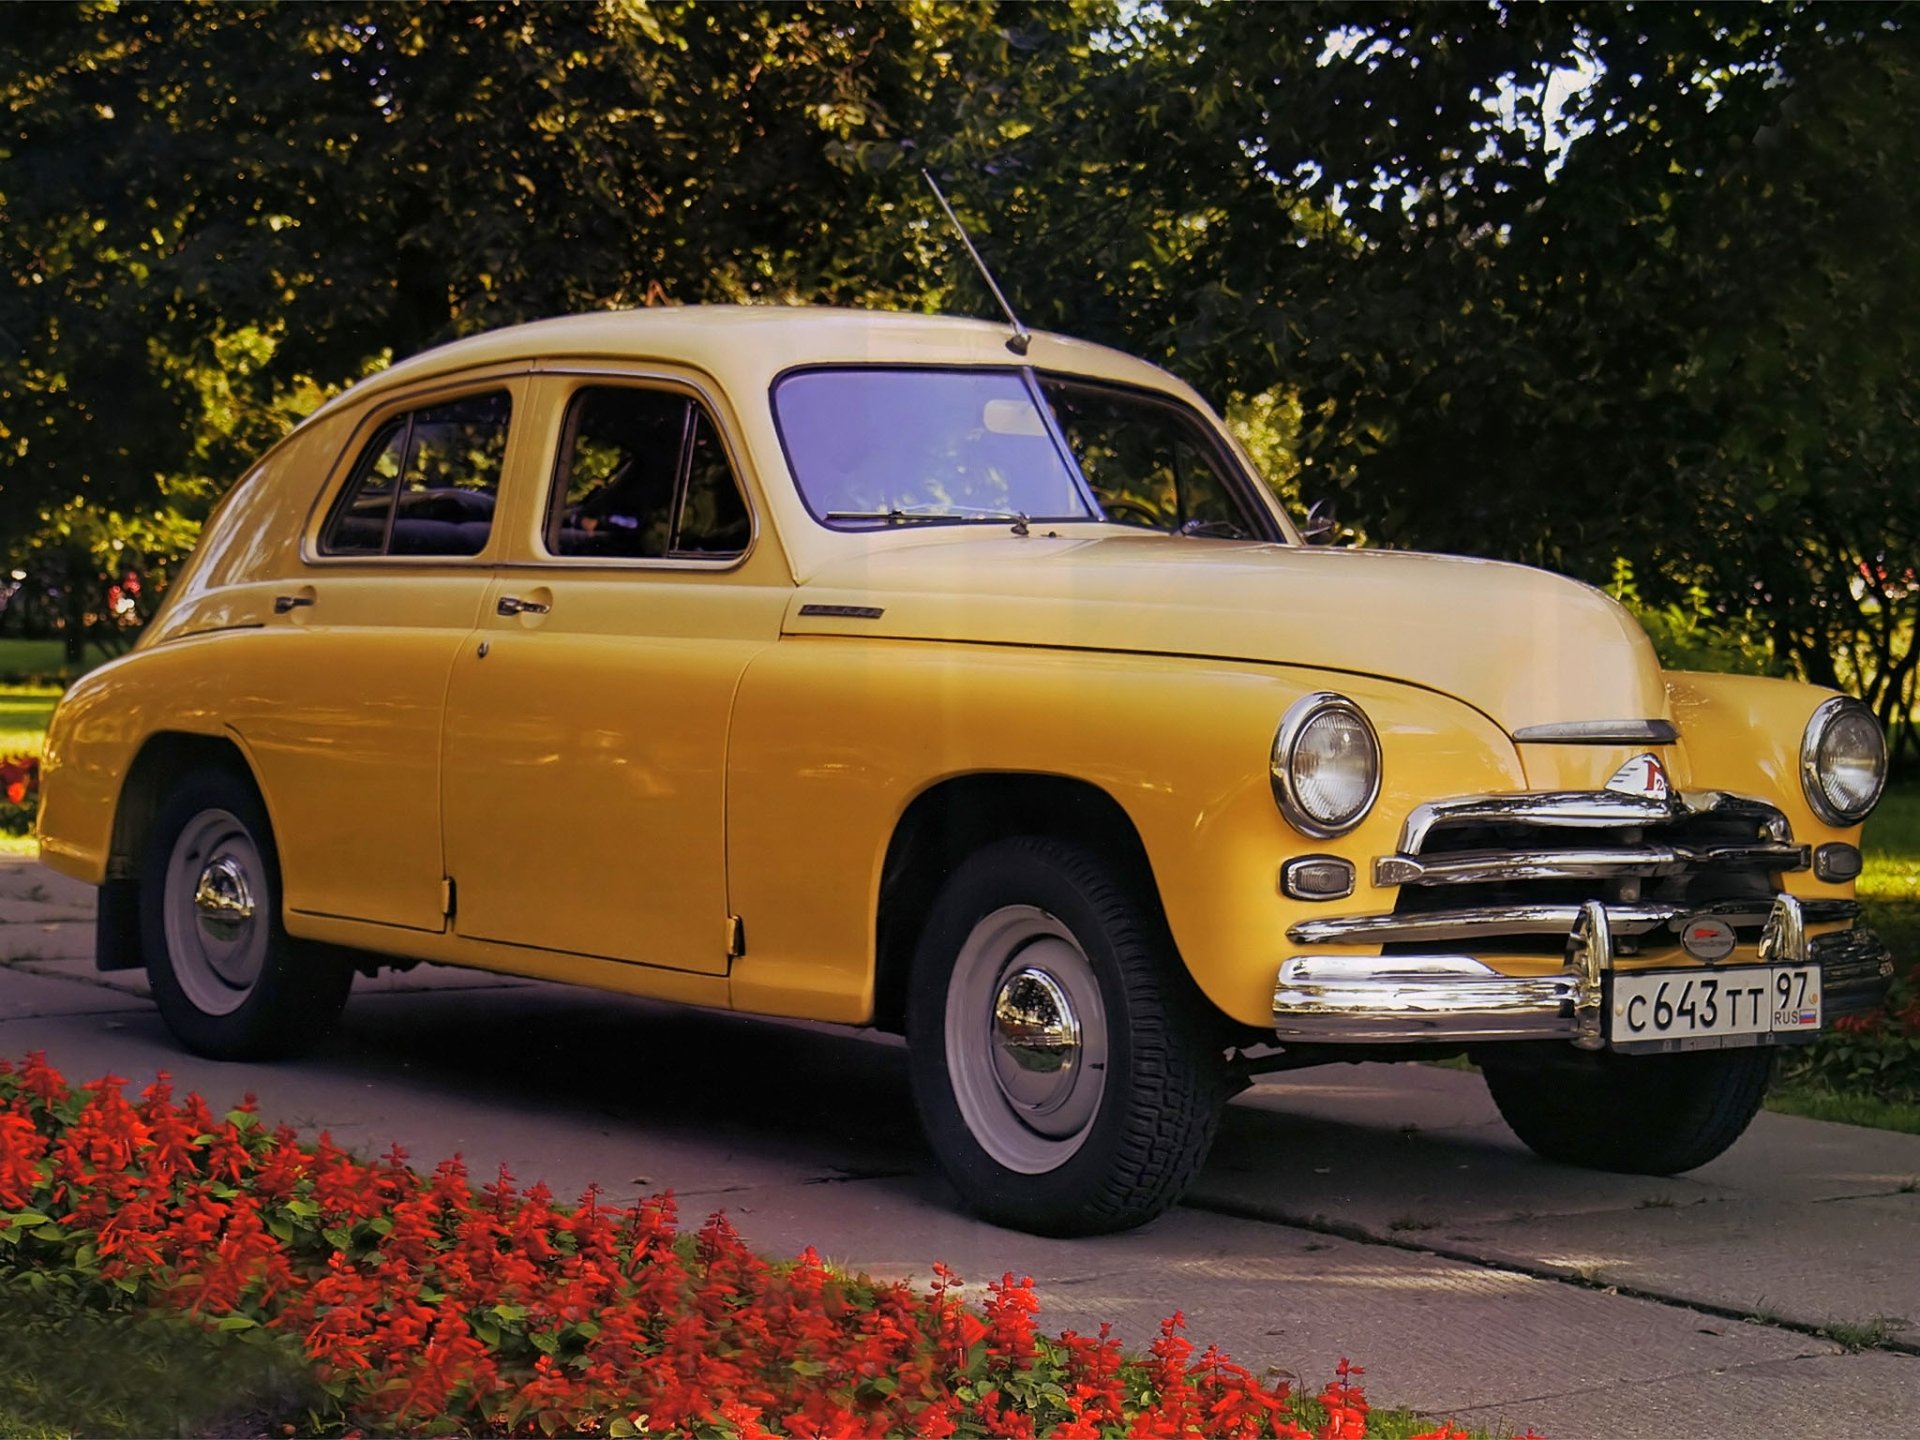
1511, 873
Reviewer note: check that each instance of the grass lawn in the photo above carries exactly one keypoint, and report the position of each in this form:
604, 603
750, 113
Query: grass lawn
1817, 1102
68, 1369
44, 660
1890, 884
24, 712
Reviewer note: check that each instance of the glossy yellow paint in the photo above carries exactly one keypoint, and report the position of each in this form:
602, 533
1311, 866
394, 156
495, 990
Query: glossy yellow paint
669, 744
834, 737
1522, 646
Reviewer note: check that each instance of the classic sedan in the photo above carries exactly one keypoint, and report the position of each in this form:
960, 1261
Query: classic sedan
888, 670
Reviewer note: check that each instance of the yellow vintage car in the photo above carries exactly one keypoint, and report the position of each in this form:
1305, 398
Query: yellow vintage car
886, 670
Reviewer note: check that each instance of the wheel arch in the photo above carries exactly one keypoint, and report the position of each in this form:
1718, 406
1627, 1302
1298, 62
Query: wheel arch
162, 760
956, 816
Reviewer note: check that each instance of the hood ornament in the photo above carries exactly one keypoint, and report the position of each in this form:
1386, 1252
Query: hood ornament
1643, 775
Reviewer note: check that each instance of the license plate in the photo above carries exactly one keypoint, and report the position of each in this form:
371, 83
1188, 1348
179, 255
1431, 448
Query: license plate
1696, 1005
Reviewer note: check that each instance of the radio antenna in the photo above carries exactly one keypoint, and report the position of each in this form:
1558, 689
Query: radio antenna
1022, 337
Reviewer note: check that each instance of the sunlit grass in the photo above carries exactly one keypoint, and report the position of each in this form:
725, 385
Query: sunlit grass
1818, 1102
24, 712
1890, 882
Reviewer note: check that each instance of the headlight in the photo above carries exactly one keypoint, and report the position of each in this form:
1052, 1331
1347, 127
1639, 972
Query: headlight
1326, 765
1843, 761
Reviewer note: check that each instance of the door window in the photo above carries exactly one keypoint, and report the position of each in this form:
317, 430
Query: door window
642, 475
425, 483
1149, 464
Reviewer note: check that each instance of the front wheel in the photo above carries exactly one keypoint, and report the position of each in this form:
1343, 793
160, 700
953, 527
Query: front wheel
1058, 1049
1636, 1114
231, 984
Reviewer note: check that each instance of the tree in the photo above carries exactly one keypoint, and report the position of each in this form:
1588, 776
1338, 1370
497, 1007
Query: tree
217, 214
1567, 285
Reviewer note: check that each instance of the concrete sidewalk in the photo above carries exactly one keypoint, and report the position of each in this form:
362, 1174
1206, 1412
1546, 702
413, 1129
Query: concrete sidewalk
1381, 1213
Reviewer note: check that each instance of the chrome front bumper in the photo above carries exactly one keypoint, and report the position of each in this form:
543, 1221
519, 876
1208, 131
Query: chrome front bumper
1414, 999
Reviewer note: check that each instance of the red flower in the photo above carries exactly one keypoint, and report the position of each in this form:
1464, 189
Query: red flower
419, 1299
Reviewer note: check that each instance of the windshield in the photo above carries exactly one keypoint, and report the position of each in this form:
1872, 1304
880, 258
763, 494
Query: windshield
894, 446
875, 446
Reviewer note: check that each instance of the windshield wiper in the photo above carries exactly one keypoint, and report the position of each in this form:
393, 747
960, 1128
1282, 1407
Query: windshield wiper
1213, 529
920, 516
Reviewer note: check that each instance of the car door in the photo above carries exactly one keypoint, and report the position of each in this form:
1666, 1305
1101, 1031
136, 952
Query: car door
585, 748
339, 698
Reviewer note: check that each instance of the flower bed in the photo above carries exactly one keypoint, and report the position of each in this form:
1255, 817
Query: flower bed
19, 793
425, 1304
1877, 1054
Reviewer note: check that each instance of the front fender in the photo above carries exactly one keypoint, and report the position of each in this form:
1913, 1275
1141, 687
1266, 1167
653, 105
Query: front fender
833, 738
1742, 734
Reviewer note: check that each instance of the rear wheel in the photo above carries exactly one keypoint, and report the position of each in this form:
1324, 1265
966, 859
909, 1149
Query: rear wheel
230, 982
1638, 1114
1059, 1052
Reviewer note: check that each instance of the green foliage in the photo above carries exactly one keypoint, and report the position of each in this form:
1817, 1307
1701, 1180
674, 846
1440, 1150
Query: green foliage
1562, 284
1559, 285
73, 1365
218, 215
1879, 1059
1689, 636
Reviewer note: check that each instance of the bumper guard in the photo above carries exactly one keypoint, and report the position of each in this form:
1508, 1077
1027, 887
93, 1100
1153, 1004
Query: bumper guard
1412, 999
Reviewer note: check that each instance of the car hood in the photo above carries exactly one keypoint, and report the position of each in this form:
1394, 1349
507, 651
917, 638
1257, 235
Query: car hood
1523, 646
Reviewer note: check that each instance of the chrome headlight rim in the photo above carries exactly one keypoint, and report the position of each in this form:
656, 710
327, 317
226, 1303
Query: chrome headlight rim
1824, 717
1302, 713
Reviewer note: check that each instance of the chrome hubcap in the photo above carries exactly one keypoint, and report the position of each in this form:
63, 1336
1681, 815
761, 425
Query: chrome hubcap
1036, 1044
1026, 1037
224, 901
216, 927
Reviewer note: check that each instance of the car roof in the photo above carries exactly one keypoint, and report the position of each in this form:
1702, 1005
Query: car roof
751, 344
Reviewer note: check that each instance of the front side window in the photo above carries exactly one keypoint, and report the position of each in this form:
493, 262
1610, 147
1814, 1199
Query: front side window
1150, 464
425, 483
875, 447
642, 475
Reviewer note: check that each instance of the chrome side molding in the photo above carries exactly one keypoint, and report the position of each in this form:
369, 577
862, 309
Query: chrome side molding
1599, 732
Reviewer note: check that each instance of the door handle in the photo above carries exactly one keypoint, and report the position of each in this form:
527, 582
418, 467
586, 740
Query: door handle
283, 603
513, 605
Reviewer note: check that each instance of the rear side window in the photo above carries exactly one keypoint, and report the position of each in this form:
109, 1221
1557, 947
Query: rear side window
426, 482
642, 475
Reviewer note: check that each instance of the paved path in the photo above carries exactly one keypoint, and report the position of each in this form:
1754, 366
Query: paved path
1376, 1212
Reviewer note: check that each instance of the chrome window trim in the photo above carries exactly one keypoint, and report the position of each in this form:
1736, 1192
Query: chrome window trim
1599, 732
1818, 724
1280, 763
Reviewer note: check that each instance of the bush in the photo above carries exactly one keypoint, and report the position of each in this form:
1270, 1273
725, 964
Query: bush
1693, 636
1876, 1055
423, 1304
19, 793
